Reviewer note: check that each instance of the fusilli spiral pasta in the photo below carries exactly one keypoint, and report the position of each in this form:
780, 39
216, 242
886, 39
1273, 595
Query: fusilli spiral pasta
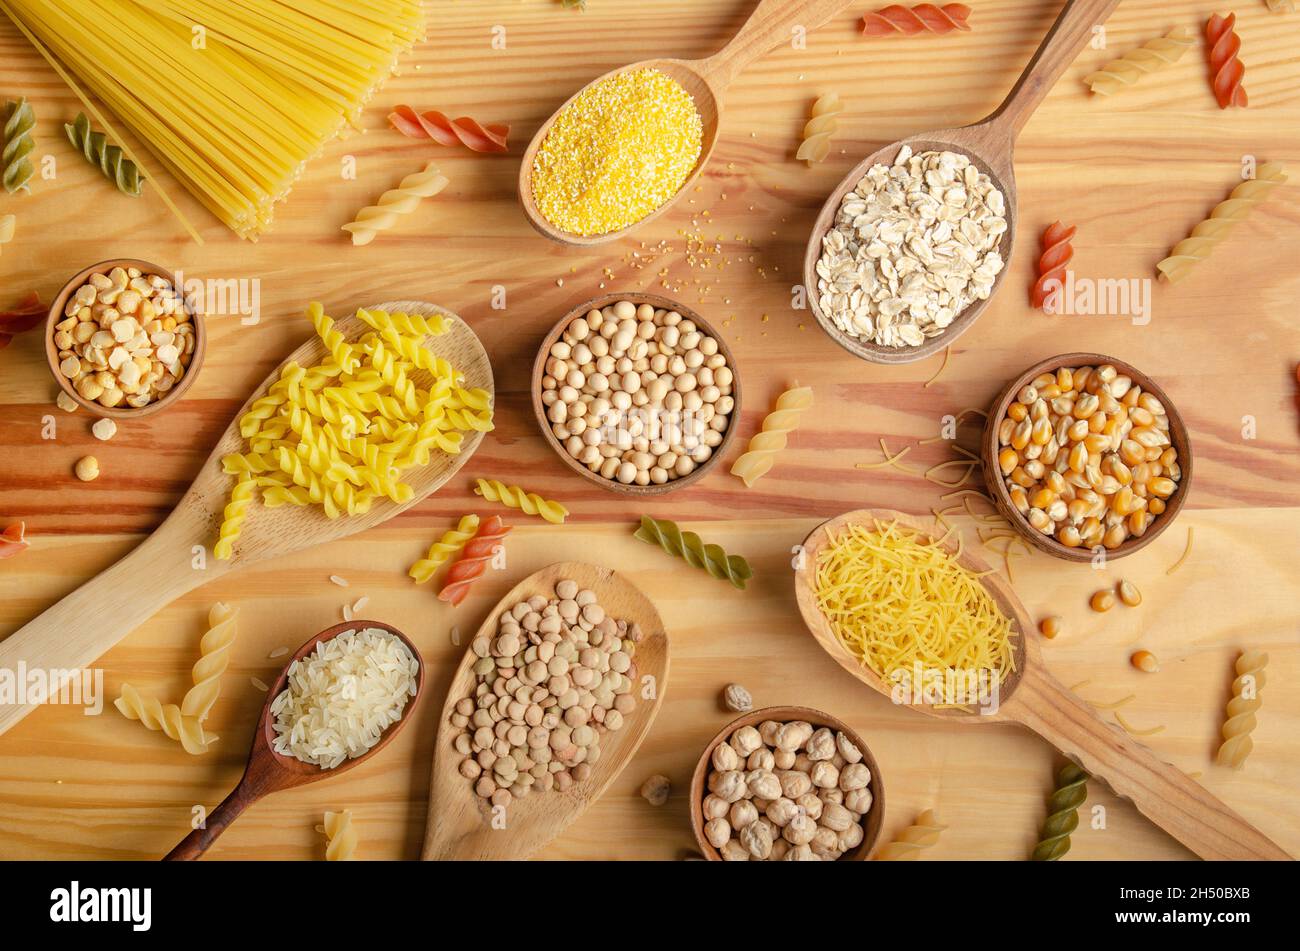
1209, 233
921, 834
1119, 74
1281, 6
817, 132
416, 325
155, 715
1226, 69
473, 561
447, 131
1062, 814
1057, 254
18, 144
690, 547
232, 518
763, 447
1243, 706
395, 202
921, 18
8, 224
214, 658
339, 348
110, 159
441, 551
341, 836
516, 498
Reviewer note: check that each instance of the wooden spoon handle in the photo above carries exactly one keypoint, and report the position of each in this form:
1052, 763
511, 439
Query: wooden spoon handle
1064, 41
1162, 793
771, 23
198, 841
81, 628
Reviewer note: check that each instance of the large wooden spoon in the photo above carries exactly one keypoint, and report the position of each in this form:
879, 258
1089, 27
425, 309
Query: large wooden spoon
772, 22
990, 144
269, 771
460, 824
78, 630
1034, 698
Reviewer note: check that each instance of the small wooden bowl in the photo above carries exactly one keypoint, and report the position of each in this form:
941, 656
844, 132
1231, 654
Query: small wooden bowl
874, 819
172, 396
539, 409
1002, 499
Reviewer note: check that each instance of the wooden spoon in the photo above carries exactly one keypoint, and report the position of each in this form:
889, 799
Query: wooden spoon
990, 144
268, 771
460, 822
706, 80
78, 630
1034, 698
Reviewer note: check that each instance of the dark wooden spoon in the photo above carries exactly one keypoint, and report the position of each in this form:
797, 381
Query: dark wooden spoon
268, 771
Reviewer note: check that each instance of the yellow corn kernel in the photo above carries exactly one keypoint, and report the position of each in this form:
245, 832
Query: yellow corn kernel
1069, 536
1096, 442
1018, 411
1122, 501
1043, 498
1128, 593
1145, 661
1169, 457
1085, 406
1156, 507
1078, 457
1050, 627
1102, 601
1132, 452
1008, 460
1004, 432
1039, 520
1034, 469
1021, 478
1019, 500
1065, 379
1115, 536
1138, 522
1020, 435
1162, 488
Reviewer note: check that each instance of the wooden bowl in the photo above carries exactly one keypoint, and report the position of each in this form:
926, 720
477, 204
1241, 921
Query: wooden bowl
997, 488
539, 409
172, 396
874, 819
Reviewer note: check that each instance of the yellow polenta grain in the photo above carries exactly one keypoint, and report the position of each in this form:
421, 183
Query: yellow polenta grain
616, 153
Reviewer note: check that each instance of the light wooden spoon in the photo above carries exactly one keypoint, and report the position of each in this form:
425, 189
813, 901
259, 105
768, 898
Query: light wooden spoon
771, 23
1034, 698
269, 771
990, 144
460, 823
78, 630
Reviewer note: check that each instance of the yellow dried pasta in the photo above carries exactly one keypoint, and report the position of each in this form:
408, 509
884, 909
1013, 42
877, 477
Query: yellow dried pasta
516, 498
340, 835
921, 834
757, 461
1156, 54
1243, 706
155, 715
441, 551
816, 144
395, 202
214, 658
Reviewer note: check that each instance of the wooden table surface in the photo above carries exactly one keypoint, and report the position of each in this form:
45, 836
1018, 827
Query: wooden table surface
1134, 173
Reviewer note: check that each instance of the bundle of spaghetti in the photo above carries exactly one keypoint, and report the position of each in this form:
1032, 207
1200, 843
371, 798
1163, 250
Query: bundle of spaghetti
1062, 814
156, 715
758, 459
1057, 254
473, 561
516, 498
817, 132
444, 130
19, 120
339, 433
1151, 56
214, 658
921, 834
232, 98
1197, 246
1243, 706
894, 600
921, 18
1226, 69
452, 541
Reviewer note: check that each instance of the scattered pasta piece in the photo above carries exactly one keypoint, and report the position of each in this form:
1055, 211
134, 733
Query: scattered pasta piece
1132, 731
447, 131
1057, 254
214, 658
109, 159
13, 540
1187, 550
1207, 235
1153, 55
452, 541
516, 498
233, 517
817, 132
395, 202
921, 18
1241, 710
340, 836
693, 550
1281, 6
947, 352
188, 731
473, 561
757, 461
921, 834
1226, 69
889, 460
18, 144
1062, 814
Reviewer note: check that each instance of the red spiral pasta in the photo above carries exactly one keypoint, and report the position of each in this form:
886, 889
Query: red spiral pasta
447, 131
12, 540
924, 17
30, 313
1057, 253
474, 558
1226, 70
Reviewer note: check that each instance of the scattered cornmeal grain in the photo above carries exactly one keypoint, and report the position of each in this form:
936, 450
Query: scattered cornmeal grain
618, 152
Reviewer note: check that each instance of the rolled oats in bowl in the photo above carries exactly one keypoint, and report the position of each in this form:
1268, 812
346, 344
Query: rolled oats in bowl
912, 246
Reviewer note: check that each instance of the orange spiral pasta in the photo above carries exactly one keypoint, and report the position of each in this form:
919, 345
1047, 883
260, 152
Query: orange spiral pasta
1226, 70
447, 131
473, 561
922, 18
13, 539
1057, 253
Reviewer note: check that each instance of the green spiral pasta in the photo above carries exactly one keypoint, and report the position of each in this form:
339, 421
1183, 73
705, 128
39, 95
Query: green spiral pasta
1062, 815
112, 161
687, 545
18, 144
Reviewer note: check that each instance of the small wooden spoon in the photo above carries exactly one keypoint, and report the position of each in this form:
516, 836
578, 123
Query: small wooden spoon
78, 630
268, 771
460, 822
1034, 698
990, 144
706, 80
